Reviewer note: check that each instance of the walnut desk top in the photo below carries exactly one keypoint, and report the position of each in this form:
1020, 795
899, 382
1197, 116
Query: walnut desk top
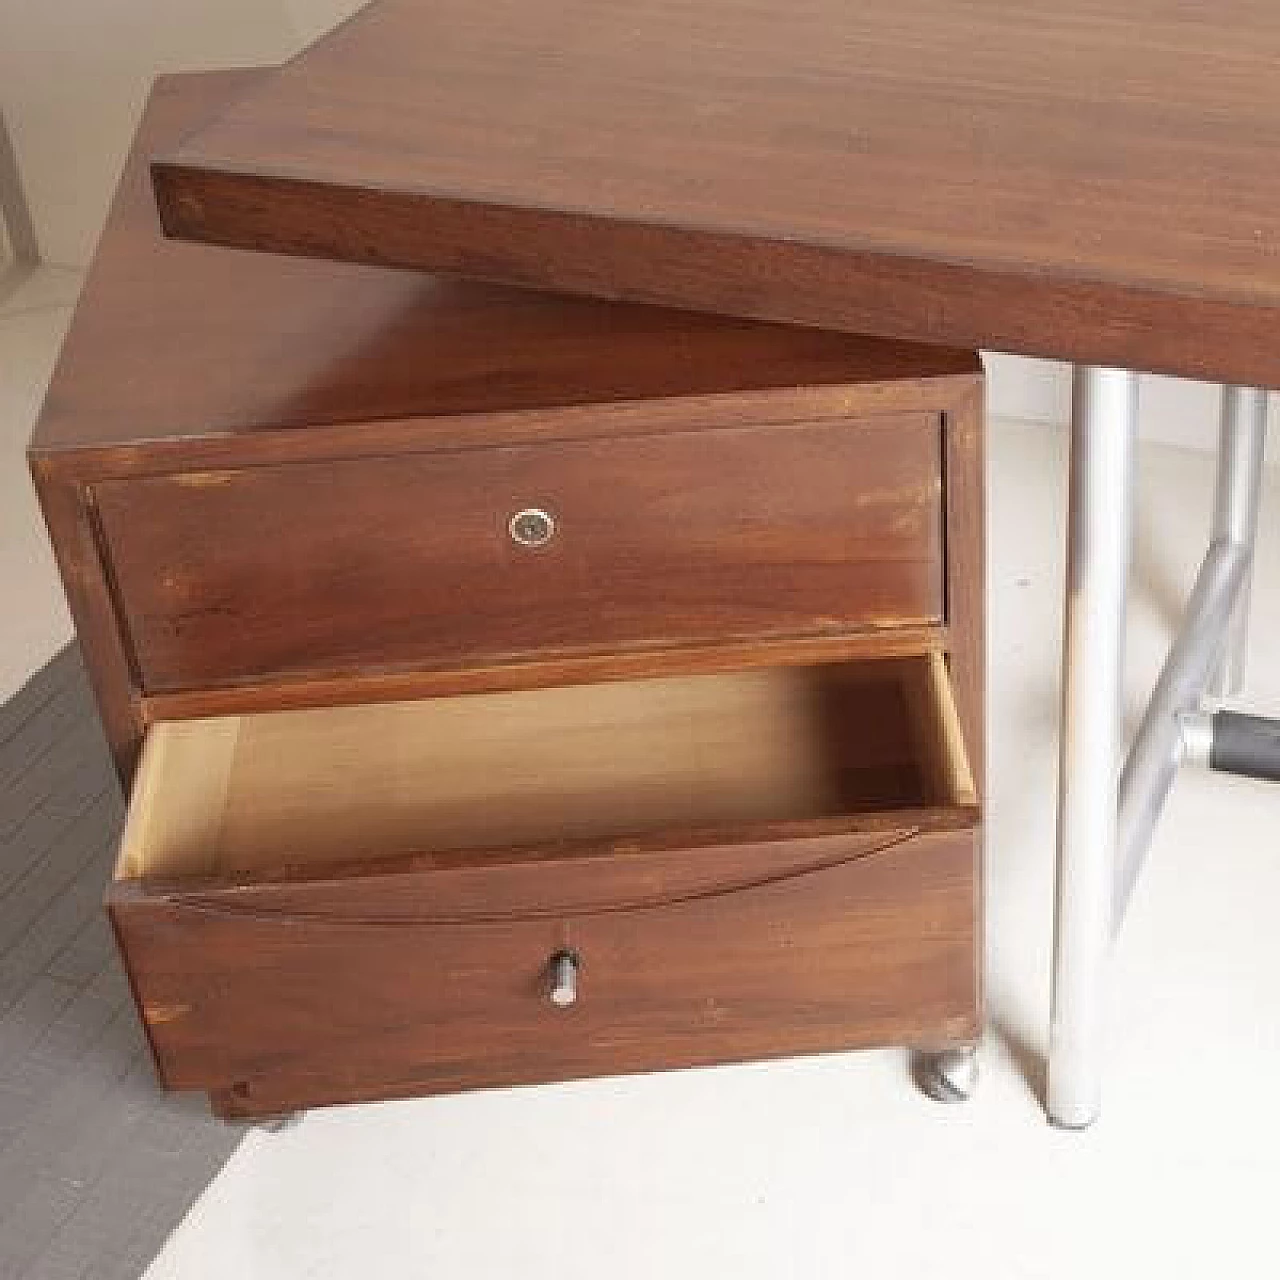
1093, 180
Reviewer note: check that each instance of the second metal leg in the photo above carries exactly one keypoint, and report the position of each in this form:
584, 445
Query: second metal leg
1156, 753
1211, 627
1235, 518
1103, 429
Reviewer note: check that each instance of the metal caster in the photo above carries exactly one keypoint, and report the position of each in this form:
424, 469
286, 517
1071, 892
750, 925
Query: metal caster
278, 1124
949, 1076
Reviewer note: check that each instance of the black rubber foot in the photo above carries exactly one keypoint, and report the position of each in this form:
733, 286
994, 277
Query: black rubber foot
1246, 745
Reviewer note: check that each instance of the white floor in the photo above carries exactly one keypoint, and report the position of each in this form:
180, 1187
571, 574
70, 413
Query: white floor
835, 1167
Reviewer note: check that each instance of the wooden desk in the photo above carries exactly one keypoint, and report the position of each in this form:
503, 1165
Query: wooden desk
1087, 179
1093, 180
470, 637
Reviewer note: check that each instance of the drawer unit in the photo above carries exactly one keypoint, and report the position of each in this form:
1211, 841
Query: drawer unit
276, 483
384, 563
374, 901
469, 650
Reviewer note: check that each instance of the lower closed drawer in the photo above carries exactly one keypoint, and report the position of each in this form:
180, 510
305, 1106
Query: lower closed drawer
376, 901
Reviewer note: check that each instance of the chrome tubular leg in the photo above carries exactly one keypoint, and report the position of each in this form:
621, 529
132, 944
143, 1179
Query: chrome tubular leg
1156, 753
1235, 519
1103, 429
1210, 642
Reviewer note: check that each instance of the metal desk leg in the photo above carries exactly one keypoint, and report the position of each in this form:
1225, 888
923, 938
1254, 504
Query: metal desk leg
1244, 415
1104, 419
1212, 622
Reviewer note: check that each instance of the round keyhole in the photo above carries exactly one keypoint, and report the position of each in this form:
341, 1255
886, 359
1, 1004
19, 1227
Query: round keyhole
531, 527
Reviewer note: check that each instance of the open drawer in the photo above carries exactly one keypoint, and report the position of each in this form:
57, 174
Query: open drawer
416, 897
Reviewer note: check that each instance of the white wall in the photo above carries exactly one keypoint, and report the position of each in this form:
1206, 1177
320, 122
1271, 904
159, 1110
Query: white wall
1172, 410
74, 75
312, 18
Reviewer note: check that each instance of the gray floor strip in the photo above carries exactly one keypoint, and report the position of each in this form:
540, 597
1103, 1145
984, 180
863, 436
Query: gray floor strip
97, 1166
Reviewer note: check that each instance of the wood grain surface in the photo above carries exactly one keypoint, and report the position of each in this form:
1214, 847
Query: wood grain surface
1086, 179
749, 864
326, 906
876, 947
175, 341
187, 359
294, 479
379, 563
643, 763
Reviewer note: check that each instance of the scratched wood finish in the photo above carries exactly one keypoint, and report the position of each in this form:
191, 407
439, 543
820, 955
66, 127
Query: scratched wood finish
176, 341
875, 949
752, 863
628, 761
192, 375
966, 556
746, 864
378, 563
286, 362
1074, 178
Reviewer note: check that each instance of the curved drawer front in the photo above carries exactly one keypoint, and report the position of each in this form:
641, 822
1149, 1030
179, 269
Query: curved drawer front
433, 559
405, 898
275, 1007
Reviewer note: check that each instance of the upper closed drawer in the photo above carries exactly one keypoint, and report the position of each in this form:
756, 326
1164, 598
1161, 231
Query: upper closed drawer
433, 559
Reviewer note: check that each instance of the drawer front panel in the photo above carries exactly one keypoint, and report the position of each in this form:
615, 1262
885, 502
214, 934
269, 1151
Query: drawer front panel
420, 560
280, 1008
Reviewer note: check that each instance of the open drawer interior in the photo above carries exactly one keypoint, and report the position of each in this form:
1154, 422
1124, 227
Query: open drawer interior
604, 762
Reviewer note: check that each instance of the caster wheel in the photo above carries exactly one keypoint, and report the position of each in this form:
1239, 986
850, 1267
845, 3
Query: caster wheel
949, 1076
278, 1124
